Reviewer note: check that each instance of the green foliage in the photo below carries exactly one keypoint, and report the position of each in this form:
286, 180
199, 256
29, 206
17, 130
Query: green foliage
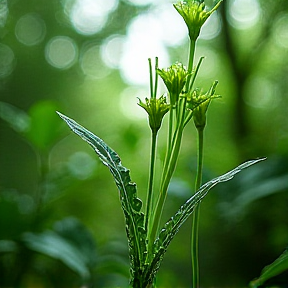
51, 244
143, 269
16, 118
278, 266
39, 126
44, 126
131, 205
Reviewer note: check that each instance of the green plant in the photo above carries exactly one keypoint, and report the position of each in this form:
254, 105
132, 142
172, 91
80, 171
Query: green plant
27, 245
147, 241
278, 266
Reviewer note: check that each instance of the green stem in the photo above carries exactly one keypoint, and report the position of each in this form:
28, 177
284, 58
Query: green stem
190, 63
195, 73
168, 169
196, 214
151, 178
43, 167
171, 154
151, 78
156, 77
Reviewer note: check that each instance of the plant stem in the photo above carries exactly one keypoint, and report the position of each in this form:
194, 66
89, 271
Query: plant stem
173, 149
196, 214
156, 79
190, 63
151, 78
151, 178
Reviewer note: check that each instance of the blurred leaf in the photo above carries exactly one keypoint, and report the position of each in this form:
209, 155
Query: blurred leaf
45, 125
113, 258
78, 235
260, 182
57, 247
274, 269
8, 246
265, 188
131, 205
41, 126
130, 136
15, 213
16, 118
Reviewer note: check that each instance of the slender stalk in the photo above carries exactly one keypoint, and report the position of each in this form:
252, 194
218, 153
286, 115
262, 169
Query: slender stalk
43, 167
164, 186
190, 63
151, 178
172, 153
156, 78
151, 78
196, 214
195, 73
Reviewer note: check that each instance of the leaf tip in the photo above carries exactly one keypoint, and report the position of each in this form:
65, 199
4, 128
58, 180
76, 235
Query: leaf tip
261, 158
60, 114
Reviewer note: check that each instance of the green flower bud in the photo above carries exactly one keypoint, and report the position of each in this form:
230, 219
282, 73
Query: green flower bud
194, 14
156, 109
199, 104
174, 78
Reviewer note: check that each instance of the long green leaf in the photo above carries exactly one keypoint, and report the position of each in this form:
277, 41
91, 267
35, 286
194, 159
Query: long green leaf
278, 266
173, 225
131, 205
57, 247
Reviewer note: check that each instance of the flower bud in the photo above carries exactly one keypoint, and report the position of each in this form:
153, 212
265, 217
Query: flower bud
156, 109
174, 78
194, 14
199, 104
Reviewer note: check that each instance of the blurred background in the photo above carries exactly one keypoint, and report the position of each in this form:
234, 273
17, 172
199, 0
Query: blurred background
61, 224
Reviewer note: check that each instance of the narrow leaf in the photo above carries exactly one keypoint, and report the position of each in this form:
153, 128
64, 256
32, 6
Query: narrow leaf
57, 247
272, 270
171, 228
131, 205
16, 118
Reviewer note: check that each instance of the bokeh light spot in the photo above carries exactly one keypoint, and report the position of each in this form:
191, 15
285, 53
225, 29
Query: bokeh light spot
142, 42
140, 2
7, 61
91, 62
281, 31
61, 52
244, 13
260, 93
173, 30
211, 27
90, 16
148, 36
30, 29
4, 11
128, 102
112, 50
81, 165
210, 66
